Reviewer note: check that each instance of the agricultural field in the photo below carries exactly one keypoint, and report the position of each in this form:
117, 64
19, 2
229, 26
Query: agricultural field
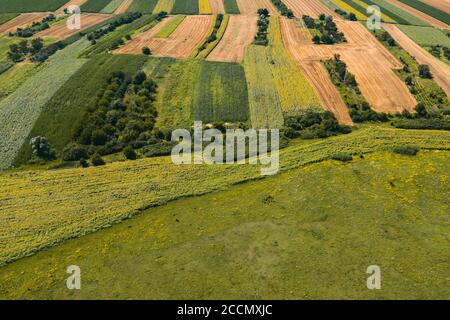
204, 7
441, 5
217, 6
68, 4
12, 78
21, 21
144, 6
396, 13
429, 10
164, 5
250, 7
170, 27
114, 5
347, 7
7, 6
312, 8
4, 17
95, 5
231, 6
239, 34
426, 36
185, 7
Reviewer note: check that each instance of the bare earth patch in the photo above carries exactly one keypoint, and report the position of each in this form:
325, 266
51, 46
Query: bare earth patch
60, 30
77, 3
123, 7
247, 7
217, 6
440, 70
23, 20
312, 8
241, 31
443, 5
180, 44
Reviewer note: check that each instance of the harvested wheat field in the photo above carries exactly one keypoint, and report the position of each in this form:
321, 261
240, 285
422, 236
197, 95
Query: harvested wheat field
315, 72
419, 14
123, 6
180, 44
22, 21
217, 6
443, 5
312, 8
238, 36
440, 70
77, 3
247, 7
60, 31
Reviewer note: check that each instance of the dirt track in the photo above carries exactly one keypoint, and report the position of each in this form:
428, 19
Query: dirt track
22, 21
365, 57
248, 7
123, 6
217, 6
238, 36
316, 74
312, 8
77, 3
440, 70
443, 5
180, 44
423, 16
60, 31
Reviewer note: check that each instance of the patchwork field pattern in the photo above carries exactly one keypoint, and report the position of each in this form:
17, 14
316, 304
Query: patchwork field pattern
180, 44
231, 6
397, 13
60, 31
442, 5
440, 70
426, 36
95, 5
204, 7
312, 8
185, 7
217, 6
144, 6
249, 7
164, 5
22, 21
124, 6
239, 34
30, 5
77, 3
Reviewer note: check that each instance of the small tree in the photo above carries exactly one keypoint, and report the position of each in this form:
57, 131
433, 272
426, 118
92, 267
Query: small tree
42, 148
424, 71
421, 110
146, 51
97, 160
129, 153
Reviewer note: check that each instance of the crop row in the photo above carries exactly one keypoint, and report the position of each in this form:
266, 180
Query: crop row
396, 13
143, 6
30, 5
430, 10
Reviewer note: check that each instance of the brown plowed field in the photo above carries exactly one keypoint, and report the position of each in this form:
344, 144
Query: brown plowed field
314, 71
60, 31
443, 5
240, 32
419, 14
312, 8
123, 7
217, 6
77, 3
440, 70
365, 57
180, 44
21, 21
247, 7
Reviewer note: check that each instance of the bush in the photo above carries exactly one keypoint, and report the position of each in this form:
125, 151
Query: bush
74, 152
42, 148
146, 51
97, 160
407, 150
345, 157
129, 153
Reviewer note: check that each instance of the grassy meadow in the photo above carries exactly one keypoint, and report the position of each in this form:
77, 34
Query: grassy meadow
7, 6
144, 6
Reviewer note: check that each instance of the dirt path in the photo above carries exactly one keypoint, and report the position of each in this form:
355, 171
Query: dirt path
238, 36
312, 8
217, 6
77, 3
315, 73
248, 7
21, 21
419, 14
180, 44
60, 30
443, 5
440, 70
123, 6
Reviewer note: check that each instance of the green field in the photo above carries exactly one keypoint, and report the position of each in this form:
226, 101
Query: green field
221, 93
396, 13
304, 234
94, 5
4, 17
164, 5
144, 6
426, 36
430, 10
112, 6
231, 6
30, 5
170, 27
185, 7
63, 112
11, 79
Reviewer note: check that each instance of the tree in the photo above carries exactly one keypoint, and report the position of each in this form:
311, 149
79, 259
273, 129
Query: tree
421, 110
322, 17
424, 71
74, 152
316, 39
36, 45
99, 137
42, 149
146, 51
352, 17
97, 160
139, 77
129, 153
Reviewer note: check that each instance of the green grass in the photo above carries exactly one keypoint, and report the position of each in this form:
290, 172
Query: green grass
4, 17
429, 10
112, 6
144, 6
12, 78
170, 27
231, 6
94, 5
20, 110
63, 112
30, 5
304, 234
221, 93
396, 13
185, 7
426, 36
